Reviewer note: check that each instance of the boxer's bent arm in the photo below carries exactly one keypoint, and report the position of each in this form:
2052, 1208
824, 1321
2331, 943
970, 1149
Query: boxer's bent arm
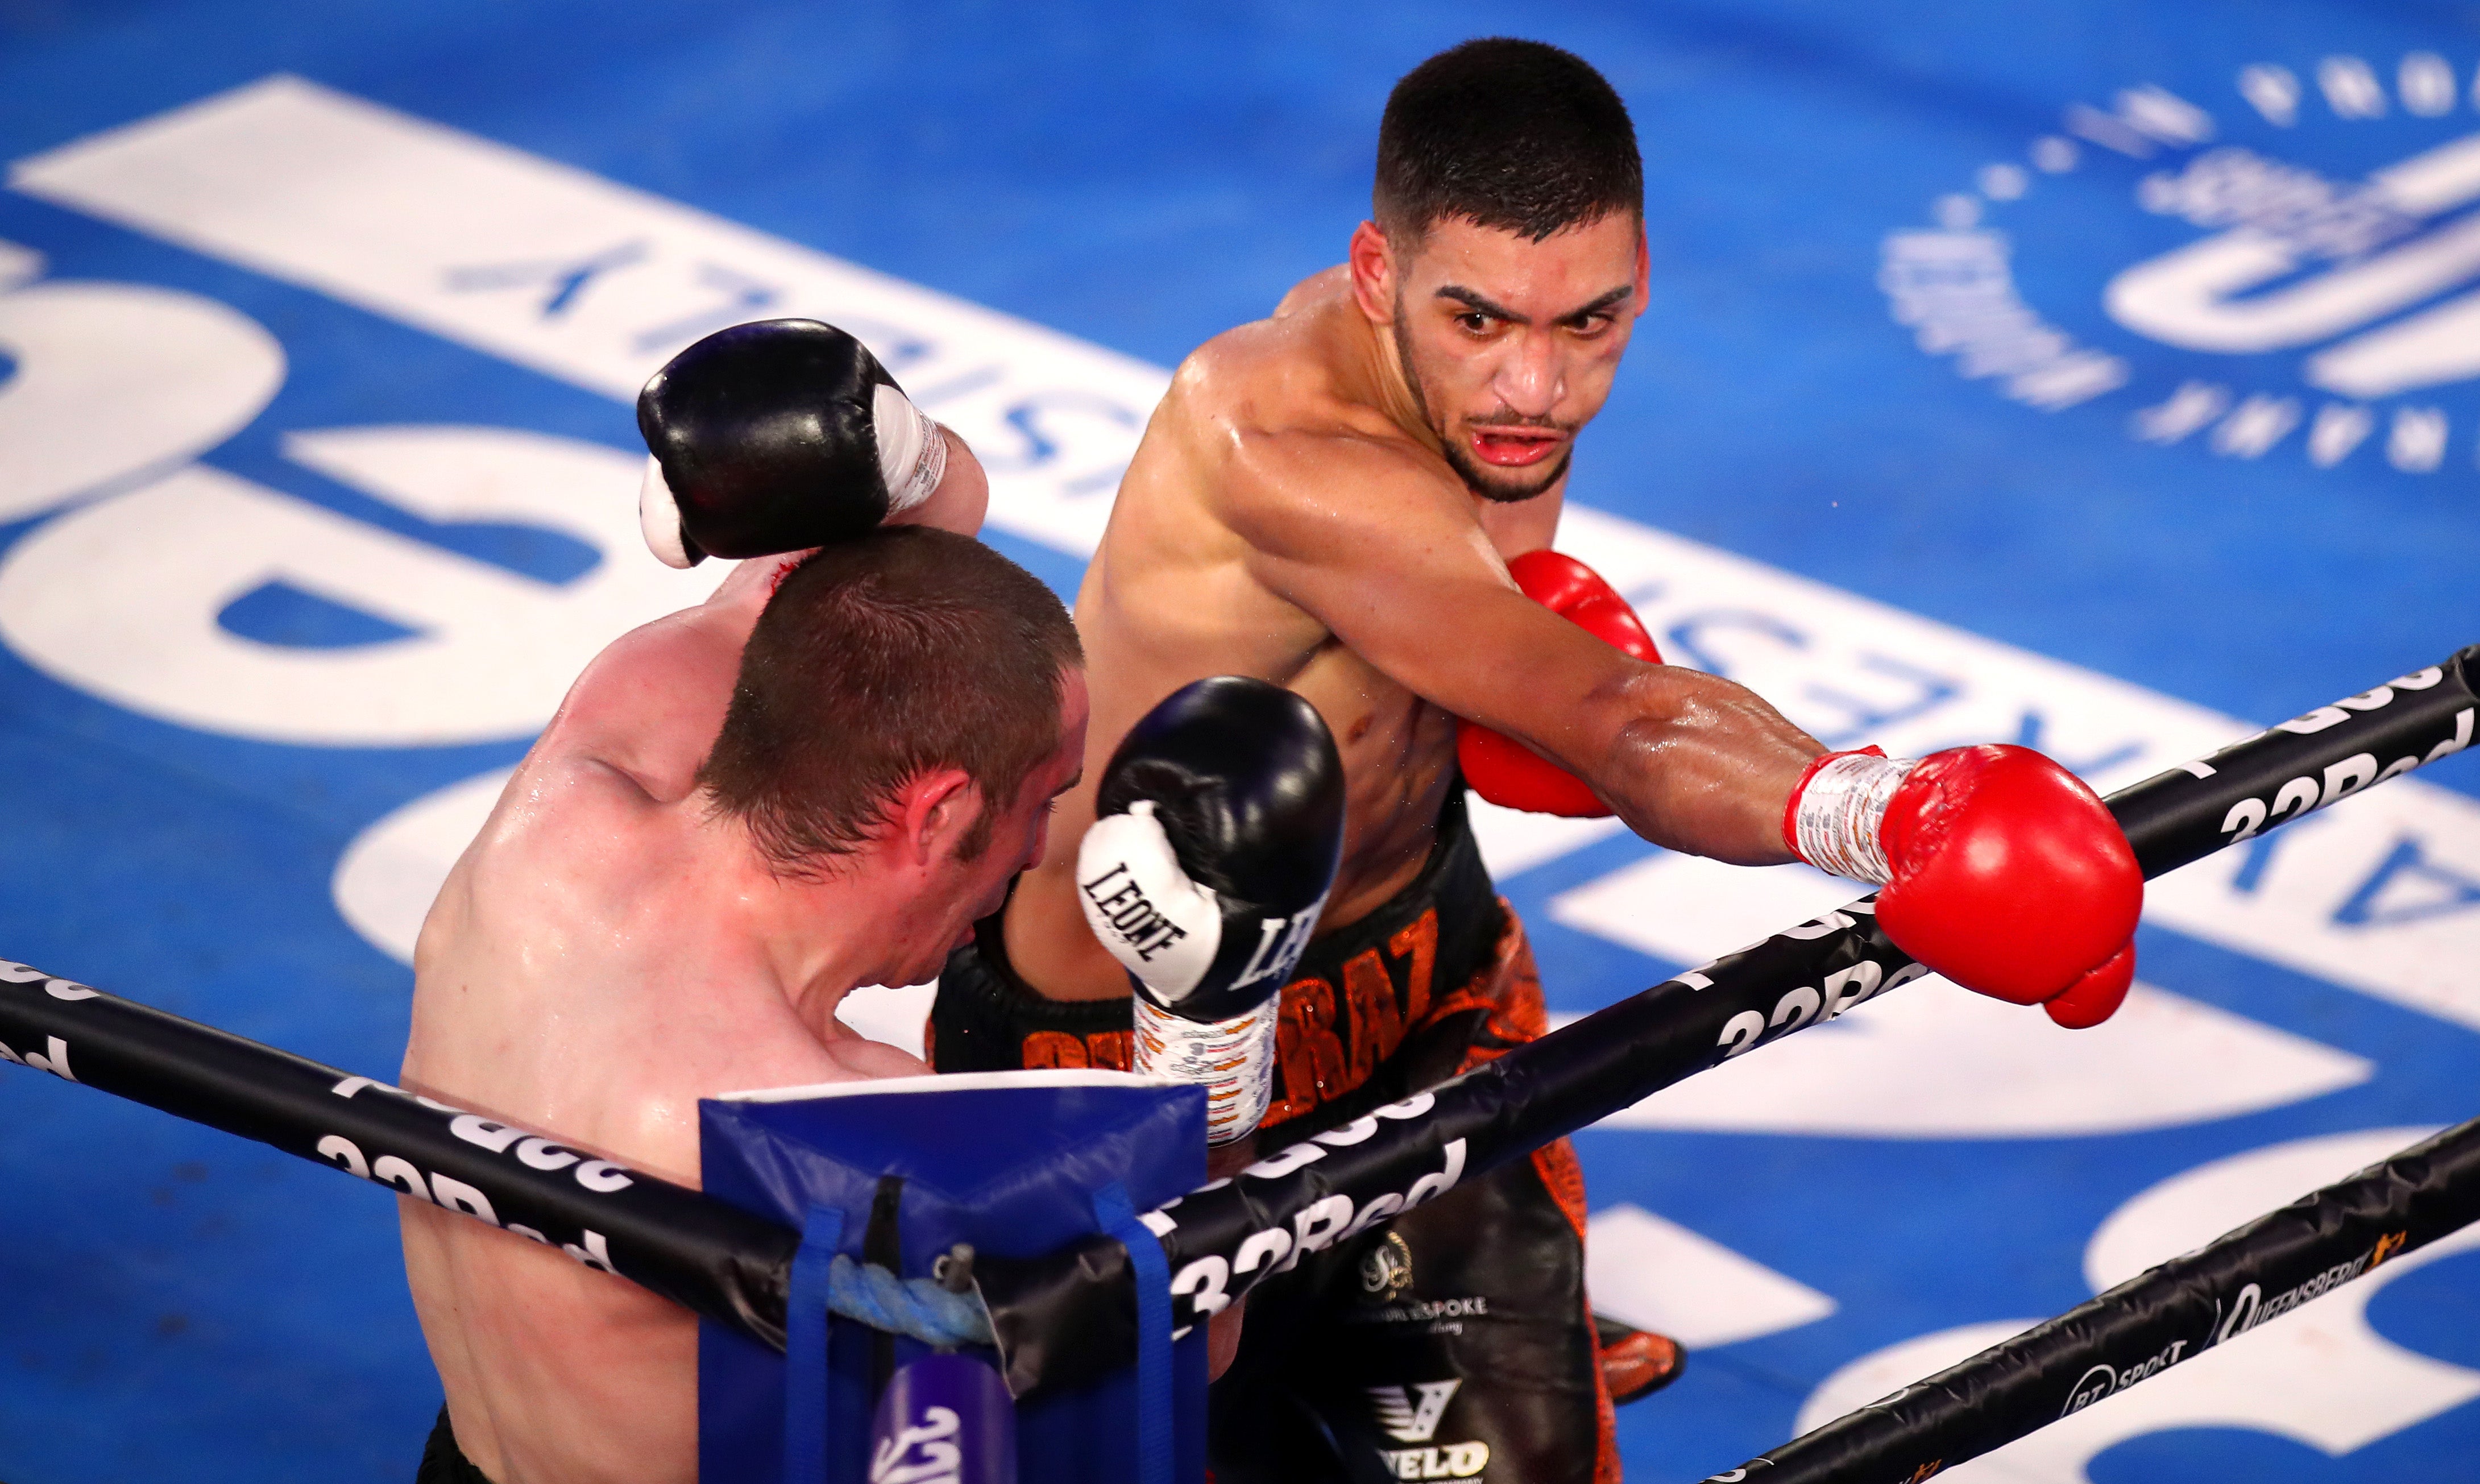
1400, 572
963, 495
651, 705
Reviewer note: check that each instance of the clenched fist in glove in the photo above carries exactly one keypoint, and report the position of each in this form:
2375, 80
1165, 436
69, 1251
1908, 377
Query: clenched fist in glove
777, 436
1504, 770
1220, 826
2000, 869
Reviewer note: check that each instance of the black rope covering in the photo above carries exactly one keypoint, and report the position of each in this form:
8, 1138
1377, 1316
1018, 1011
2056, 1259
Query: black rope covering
713, 1257
1069, 1317
2169, 1315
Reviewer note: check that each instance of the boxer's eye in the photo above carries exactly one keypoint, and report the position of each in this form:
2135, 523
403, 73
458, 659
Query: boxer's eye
1474, 321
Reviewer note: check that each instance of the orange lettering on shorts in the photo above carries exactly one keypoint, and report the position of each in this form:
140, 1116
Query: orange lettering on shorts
1376, 1024
1306, 1049
1054, 1048
1420, 943
1111, 1049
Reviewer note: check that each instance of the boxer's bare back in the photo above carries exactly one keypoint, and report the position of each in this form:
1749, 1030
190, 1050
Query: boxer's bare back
1299, 512
605, 953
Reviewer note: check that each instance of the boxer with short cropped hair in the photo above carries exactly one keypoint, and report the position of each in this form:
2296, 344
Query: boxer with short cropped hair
817, 780
877, 660
1328, 500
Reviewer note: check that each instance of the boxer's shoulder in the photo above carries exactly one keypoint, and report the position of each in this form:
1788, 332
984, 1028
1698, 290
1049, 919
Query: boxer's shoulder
645, 712
1277, 429
1302, 372
1322, 288
1261, 425
1338, 490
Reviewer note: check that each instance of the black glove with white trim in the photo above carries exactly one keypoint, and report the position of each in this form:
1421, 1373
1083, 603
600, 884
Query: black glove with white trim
777, 436
1220, 826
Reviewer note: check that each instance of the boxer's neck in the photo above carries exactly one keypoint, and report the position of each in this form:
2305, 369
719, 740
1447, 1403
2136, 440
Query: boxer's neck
822, 934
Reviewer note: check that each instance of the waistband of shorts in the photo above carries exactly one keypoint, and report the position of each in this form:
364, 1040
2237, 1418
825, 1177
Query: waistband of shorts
1455, 881
982, 977
444, 1460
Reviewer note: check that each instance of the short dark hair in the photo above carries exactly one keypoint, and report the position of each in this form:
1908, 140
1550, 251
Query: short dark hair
877, 660
1515, 135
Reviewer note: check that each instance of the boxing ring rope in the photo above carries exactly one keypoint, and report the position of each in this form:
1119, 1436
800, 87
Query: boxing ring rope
1072, 1316
712, 1258
1055, 1322
2146, 1325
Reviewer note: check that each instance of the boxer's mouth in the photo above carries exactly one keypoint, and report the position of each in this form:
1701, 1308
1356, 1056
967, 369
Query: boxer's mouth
1514, 447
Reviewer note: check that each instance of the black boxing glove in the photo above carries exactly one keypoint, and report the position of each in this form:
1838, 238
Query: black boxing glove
1220, 826
777, 436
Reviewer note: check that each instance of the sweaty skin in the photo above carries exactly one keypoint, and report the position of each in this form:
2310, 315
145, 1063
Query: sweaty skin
605, 953
1297, 511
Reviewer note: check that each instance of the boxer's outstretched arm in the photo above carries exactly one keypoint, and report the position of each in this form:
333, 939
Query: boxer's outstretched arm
1389, 558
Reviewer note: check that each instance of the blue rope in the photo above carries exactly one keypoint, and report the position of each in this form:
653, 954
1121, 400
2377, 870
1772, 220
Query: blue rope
915, 1307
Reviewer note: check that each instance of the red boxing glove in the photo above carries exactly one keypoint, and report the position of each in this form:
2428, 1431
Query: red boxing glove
2000, 870
1504, 770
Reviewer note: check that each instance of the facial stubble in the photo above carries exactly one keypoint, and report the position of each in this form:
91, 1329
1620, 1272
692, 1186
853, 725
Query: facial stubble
1452, 449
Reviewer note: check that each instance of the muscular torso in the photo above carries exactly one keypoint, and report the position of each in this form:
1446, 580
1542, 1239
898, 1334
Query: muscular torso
1175, 593
588, 970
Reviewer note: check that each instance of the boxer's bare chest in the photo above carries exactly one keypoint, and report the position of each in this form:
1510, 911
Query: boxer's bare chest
1173, 598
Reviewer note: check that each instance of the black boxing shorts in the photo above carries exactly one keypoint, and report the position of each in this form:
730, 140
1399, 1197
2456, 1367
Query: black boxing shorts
443, 1462
1459, 1337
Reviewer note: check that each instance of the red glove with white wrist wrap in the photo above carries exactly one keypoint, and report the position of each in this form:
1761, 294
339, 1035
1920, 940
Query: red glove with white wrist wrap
1504, 770
2000, 869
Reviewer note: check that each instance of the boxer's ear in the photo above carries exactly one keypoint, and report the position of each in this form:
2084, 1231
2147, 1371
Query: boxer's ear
933, 812
1374, 270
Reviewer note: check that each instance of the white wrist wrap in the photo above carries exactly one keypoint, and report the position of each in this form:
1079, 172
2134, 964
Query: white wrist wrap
1232, 1059
1841, 808
911, 451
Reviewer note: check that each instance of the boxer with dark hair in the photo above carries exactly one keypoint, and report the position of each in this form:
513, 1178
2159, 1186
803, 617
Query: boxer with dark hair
1329, 500
817, 780
879, 660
